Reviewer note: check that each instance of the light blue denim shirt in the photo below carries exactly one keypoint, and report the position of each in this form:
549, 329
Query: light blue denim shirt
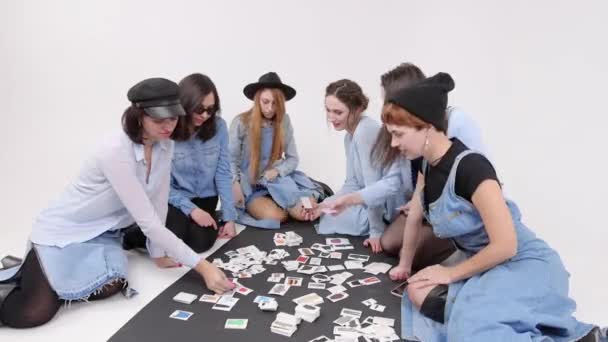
202, 169
360, 172
112, 192
397, 179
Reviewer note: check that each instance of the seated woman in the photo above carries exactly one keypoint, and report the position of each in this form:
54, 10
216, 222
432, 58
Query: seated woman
345, 104
264, 158
512, 286
76, 251
200, 171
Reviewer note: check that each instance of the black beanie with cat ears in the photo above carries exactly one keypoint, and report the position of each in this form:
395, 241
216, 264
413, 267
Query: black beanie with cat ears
426, 99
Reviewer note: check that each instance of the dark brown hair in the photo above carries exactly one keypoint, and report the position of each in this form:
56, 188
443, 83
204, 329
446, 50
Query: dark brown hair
193, 89
403, 75
131, 124
351, 94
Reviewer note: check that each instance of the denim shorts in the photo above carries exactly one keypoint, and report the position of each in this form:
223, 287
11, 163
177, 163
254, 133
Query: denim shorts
81, 269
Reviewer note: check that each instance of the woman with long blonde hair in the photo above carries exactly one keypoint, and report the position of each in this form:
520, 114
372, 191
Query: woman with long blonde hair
264, 157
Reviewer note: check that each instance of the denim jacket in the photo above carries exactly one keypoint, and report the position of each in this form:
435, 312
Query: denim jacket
202, 169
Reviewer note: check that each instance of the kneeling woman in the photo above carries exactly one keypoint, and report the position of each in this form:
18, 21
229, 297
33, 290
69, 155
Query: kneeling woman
76, 251
264, 157
512, 286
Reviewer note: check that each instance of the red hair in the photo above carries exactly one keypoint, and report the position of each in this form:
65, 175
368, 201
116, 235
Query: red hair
393, 114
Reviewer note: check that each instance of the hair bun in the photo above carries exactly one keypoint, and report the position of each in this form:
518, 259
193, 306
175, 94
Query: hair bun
444, 80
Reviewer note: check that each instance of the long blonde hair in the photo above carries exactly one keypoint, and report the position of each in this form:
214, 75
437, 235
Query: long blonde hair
252, 119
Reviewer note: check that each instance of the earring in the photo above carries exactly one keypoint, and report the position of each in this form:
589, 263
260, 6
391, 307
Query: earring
426, 141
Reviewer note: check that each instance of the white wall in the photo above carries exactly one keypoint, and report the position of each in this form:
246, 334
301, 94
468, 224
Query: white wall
533, 75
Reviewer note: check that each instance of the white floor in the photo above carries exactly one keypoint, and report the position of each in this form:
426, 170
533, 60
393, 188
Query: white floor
98, 321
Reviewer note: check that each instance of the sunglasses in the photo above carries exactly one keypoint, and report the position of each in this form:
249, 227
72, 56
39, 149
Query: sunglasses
209, 110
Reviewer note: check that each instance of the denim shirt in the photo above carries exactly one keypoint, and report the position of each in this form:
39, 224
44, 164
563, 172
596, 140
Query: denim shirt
360, 172
398, 177
202, 169
239, 150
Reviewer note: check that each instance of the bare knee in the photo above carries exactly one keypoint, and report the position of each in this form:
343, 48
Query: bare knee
416, 296
278, 215
389, 246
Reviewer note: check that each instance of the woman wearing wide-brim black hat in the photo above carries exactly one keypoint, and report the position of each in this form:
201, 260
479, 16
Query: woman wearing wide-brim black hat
264, 157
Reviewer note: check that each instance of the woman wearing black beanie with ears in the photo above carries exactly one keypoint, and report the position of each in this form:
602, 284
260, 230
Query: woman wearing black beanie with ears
512, 285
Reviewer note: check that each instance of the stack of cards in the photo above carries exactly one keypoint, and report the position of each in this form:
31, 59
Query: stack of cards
376, 268
310, 299
184, 297
266, 303
288, 239
309, 313
285, 324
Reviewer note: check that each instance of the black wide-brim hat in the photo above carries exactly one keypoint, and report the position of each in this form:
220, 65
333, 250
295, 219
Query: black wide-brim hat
269, 80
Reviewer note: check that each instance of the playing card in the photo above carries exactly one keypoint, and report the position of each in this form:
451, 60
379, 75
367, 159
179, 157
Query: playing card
377, 307
209, 298
279, 289
181, 315
384, 321
335, 297
321, 247
322, 338
307, 269
324, 255
315, 261
302, 259
337, 241
335, 267
336, 289
316, 286
184, 297
236, 323
358, 257
370, 281
351, 312
225, 303
243, 290
342, 320
353, 265
335, 255
306, 251
320, 277
354, 283
369, 302
342, 247
293, 281
306, 202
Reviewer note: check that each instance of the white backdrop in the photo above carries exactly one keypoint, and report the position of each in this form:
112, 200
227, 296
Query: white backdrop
533, 74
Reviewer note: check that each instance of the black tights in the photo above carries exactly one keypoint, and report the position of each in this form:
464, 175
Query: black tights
33, 302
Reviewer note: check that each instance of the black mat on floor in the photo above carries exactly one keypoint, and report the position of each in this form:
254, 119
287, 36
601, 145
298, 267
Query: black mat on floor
152, 323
